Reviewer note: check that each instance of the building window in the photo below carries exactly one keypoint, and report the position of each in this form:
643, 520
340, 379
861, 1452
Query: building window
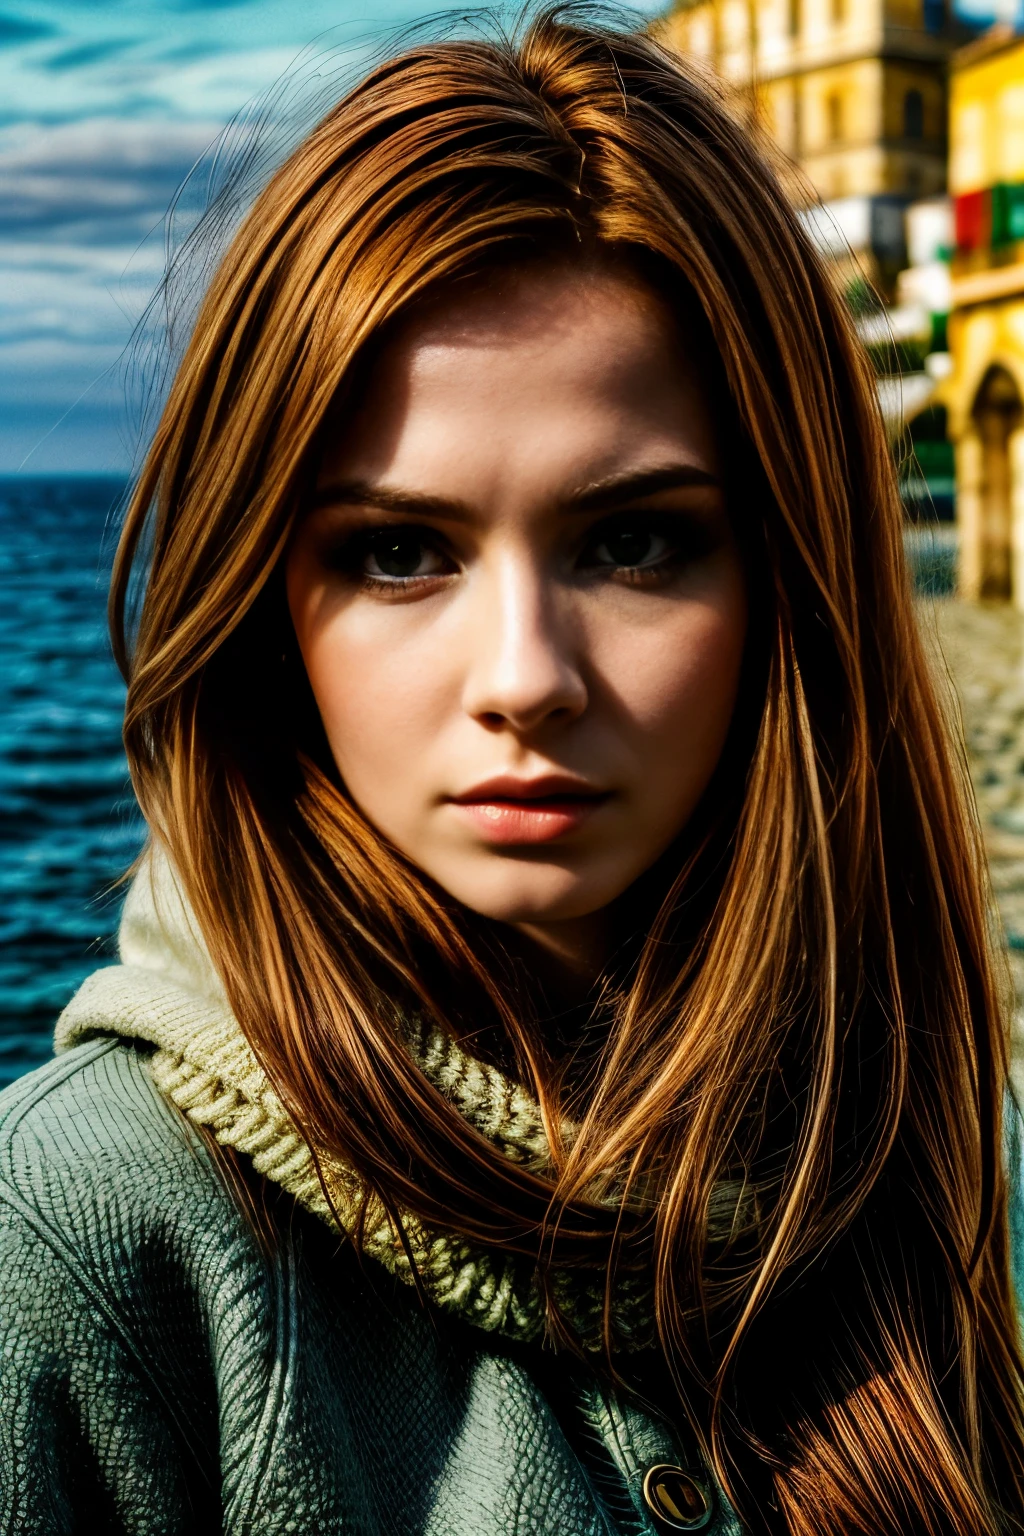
834, 116
913, 115
934, 15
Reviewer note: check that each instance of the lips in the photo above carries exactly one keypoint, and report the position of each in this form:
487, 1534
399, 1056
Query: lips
509, 811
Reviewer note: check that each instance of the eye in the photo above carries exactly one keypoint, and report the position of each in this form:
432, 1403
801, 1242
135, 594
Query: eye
639, 547
630, 546
397, 555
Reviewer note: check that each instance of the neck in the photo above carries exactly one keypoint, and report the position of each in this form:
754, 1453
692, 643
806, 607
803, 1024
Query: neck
567, 956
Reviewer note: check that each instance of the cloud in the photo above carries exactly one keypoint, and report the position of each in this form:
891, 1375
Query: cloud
102, 181
192, 49
86, 54
15, 30
105, 107
77, 202
83, 295
182, 75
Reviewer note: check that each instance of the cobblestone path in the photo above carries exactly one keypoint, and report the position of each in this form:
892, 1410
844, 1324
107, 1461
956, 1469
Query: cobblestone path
983, 645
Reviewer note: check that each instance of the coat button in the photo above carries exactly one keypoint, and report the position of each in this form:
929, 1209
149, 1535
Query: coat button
677, 1500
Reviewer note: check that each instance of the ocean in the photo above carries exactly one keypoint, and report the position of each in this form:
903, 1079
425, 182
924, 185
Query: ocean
69, 825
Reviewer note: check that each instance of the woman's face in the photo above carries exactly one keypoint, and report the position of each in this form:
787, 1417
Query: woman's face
518, 596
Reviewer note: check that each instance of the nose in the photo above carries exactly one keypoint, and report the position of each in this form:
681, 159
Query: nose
524, 669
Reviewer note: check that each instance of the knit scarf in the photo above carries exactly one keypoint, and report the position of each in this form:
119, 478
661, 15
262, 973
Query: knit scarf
166, 994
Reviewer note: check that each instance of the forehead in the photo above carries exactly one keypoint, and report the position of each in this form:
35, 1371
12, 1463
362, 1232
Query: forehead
556, 370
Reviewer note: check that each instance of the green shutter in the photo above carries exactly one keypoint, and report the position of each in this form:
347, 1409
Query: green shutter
1007, 212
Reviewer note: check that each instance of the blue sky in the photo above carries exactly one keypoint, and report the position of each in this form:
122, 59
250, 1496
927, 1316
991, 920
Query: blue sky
105, 105
104, 108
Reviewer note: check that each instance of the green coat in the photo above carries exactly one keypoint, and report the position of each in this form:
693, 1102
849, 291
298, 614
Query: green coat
161, 1372
164, 1370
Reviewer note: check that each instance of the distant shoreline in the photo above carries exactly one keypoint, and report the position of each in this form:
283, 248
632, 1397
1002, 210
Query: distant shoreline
17, 477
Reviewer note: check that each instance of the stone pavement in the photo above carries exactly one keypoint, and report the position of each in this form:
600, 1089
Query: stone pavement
983, 647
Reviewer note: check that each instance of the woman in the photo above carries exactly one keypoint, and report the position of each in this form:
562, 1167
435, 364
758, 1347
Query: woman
555, 1076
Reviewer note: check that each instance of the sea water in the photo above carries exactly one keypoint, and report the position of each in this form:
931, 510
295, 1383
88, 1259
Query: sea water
69, 826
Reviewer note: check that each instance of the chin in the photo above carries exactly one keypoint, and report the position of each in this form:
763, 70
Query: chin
528, 894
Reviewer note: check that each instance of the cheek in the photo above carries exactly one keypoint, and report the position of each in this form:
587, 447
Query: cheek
380, 696
674, 687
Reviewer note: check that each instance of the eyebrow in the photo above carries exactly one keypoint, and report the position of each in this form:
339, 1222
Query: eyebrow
360, 493
596, 496
616, 489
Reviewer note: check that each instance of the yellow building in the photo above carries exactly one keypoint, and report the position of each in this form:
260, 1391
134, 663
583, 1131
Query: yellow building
852, 92
984, 394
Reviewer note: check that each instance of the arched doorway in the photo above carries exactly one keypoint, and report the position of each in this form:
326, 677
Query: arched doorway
998, 413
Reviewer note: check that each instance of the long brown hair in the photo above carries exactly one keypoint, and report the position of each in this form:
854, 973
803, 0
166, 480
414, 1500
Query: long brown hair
811, 1020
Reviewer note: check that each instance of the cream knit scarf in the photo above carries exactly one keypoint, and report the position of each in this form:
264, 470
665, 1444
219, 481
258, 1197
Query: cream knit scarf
166, 993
